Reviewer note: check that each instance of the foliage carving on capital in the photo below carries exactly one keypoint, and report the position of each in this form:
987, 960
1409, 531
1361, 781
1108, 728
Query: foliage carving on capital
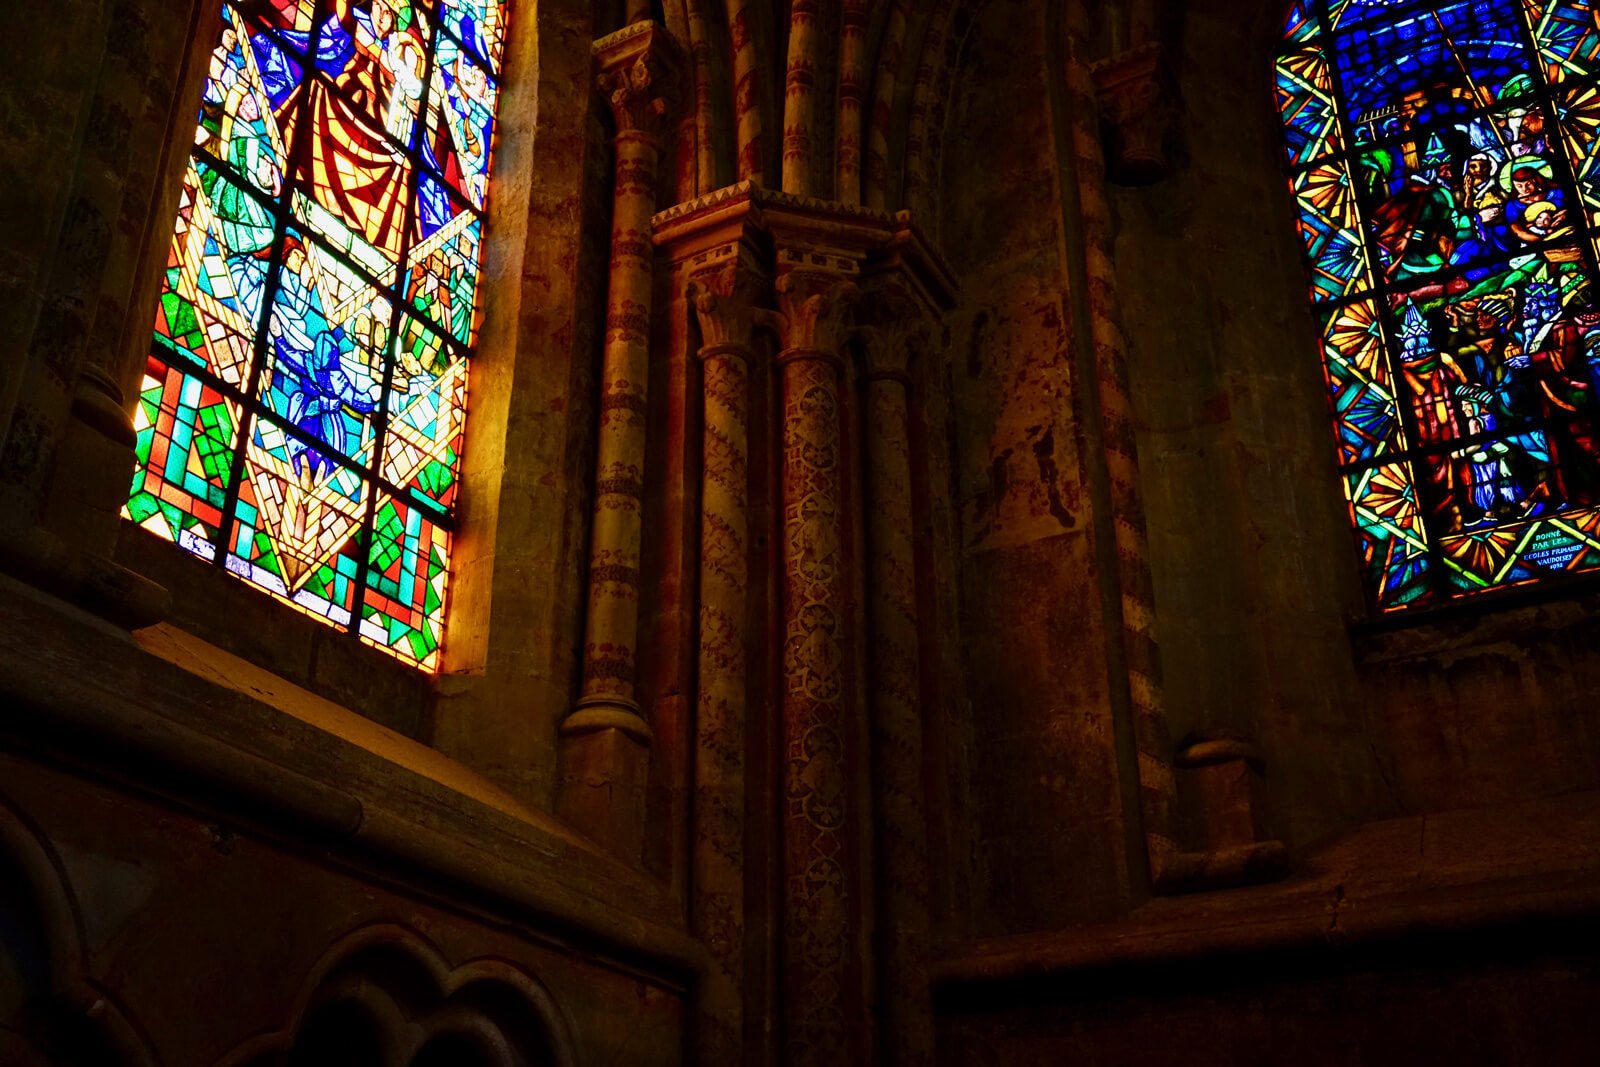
726, 303
894, 326
1139, 113
641, 94
816, 308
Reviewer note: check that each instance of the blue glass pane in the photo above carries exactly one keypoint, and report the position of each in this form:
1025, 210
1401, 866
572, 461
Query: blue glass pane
1429, 64
1451, 253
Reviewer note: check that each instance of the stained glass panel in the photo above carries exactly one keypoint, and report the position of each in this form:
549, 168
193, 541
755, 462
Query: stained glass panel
1444, 157
301, 418
405, 583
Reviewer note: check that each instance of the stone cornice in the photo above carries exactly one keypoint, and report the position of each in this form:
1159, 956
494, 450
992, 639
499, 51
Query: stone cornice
214, 734
761, 196
805, 226
1372, 885
911, 252
626, 41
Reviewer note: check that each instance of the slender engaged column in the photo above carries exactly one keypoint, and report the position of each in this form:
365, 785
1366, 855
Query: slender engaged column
605, 748
1147, 697
799, 98
900, 808
852, 77
822, 906
724, 303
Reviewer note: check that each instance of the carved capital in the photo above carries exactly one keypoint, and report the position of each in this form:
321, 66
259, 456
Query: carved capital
640, 70
1138, 113
816, 308
894, 326
726, 293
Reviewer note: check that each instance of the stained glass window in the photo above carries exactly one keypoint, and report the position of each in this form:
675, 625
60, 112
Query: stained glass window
301, 415
1445, 157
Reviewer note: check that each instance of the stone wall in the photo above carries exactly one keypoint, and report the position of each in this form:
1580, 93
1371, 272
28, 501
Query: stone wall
1048, 809
230, 836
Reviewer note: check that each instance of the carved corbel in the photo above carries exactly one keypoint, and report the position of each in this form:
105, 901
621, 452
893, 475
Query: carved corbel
1139, 114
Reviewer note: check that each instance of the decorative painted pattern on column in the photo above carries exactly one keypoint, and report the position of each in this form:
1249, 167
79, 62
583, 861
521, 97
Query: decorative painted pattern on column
747, 99
1156, 785
821, 909
852, 71
724, 301
635, 79
799, 98
900, 809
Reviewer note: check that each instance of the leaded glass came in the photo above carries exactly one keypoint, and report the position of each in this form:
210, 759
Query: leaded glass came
1445, 158
303, 403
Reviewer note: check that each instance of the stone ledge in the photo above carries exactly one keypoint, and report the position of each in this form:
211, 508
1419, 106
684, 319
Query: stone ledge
305, 652
1454, 870
84, 694
1519, 616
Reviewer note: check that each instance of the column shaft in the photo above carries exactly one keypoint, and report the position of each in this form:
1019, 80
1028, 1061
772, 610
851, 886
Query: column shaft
717, 903
605, 747
901, 816
819, 912
799, 98
613, 619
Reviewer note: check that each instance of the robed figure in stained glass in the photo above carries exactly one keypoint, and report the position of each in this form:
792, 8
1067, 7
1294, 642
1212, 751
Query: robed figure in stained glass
1461, 323
301, 416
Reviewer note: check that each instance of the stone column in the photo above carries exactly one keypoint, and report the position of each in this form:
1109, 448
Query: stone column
900, 810
821, 994
724, 294
799, 98
606, 740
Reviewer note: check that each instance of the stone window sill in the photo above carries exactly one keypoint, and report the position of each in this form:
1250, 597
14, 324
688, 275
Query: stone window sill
1474, 622
249, 624
165, 713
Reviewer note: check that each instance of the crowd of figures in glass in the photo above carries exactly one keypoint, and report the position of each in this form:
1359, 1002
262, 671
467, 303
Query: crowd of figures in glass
1445, 155
303, 405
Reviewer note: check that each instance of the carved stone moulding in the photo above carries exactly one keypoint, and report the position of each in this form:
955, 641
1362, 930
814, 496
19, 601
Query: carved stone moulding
1138, 114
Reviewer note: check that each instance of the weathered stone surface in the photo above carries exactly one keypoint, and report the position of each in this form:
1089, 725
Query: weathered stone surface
913, 638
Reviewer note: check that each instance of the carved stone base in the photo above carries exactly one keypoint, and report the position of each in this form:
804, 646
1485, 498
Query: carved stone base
1222, 778
604, 773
